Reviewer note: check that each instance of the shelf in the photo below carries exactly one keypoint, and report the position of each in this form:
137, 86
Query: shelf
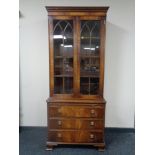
85, 84
60, 57
89, 83
90, 76
89, 56
58, 66
63, 75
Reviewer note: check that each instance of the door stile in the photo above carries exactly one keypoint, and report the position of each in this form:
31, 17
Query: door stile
76, 56
51, 55
102, 55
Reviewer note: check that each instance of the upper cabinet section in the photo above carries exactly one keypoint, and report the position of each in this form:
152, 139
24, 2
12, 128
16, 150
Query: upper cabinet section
76, 50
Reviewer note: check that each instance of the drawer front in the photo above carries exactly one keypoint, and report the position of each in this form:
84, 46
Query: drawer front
88, 137
76, 111
89, 124
75, 136
75, 124
61, 124
61, 136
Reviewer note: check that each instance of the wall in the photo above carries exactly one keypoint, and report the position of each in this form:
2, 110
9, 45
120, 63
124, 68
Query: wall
119, 63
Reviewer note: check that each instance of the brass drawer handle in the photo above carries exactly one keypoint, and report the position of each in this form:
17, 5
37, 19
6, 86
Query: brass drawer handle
59, 135
92, 136
59, 122
92, 123
92, 111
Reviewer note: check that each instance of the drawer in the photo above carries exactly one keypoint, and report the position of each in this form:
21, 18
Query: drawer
88, 136
76, 136
76, 111
61, 124
75, 123
89, 124
61, 136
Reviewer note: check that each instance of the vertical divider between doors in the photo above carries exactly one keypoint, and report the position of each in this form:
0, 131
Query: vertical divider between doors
76, 56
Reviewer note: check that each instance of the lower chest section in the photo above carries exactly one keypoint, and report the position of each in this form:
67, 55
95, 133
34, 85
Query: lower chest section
74, 123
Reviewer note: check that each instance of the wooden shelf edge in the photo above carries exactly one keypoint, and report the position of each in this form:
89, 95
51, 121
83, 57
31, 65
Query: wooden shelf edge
76, 100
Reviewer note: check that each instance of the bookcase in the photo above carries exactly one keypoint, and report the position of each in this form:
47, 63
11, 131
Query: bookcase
76, 105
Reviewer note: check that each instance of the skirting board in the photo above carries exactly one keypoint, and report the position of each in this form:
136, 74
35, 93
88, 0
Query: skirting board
107, 129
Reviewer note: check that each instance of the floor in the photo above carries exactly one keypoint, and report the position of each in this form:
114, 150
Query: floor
33, 139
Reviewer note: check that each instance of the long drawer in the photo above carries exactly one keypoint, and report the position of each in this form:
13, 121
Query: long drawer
62, 123
76, 111
75, 136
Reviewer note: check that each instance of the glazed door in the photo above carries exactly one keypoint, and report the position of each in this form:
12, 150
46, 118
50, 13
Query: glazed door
62, 50
90, 46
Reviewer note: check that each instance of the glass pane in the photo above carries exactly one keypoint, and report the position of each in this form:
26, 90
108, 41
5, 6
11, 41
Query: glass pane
94, 85
68, 85
58, 85
58, 67
84, 85
68, 66
63, 55
89, 56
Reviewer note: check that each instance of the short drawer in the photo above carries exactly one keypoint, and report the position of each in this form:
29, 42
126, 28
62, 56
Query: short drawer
60, 123
89, 124
61, 136
88, 136
76, 111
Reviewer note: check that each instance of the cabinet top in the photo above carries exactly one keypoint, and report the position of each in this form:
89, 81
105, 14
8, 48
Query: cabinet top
54, 10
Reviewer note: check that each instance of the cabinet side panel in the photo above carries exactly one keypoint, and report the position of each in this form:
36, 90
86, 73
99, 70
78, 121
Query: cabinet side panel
102, 55
51, 62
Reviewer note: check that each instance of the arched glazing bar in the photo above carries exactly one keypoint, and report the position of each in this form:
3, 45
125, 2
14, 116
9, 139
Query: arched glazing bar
59, 24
